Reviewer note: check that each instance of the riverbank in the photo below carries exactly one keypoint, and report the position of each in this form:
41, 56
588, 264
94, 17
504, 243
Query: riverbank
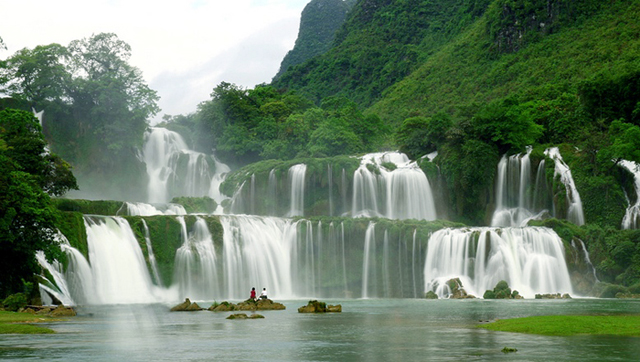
570, 325
24, 323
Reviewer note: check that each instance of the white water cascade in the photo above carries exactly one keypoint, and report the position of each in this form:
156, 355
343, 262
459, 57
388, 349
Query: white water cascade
574, 211
531, 260
401, 193
118, 270
513, 179
631, 218
175, 170
195, 271
296, 178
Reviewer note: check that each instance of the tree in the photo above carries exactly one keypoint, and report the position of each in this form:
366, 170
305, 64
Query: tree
111, 100
37, 75
25, 144
27, 217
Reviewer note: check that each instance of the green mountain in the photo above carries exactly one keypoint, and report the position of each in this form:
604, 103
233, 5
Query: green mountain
319, 22
381, 43
405, 58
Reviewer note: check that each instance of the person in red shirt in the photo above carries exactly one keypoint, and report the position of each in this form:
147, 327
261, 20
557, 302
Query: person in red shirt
253, 293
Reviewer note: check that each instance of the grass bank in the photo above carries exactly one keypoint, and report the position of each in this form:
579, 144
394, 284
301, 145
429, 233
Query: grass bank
17, 323
570, 325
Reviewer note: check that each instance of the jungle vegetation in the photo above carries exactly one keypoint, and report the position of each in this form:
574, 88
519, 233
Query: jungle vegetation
471, 79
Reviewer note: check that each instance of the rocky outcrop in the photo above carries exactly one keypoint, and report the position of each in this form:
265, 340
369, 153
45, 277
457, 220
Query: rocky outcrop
627, 295
553, 296
431, 295
247, 305
457, 291
245, 316
186, 306
58, 311
502, 291
315, 306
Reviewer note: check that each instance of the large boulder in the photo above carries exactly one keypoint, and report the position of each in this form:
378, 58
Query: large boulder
502, 291
315, 306
186, 306
457, 291
62, 311
244, 316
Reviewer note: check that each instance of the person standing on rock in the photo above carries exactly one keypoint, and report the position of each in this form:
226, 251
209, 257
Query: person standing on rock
253, 294
263, 295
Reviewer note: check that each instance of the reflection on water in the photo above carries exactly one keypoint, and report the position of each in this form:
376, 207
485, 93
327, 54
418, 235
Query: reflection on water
372, 330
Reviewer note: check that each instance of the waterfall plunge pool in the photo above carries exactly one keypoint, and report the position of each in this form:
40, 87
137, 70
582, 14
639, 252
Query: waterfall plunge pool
367, 329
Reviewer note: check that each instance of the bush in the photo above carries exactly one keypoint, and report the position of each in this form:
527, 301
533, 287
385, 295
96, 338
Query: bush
15, 301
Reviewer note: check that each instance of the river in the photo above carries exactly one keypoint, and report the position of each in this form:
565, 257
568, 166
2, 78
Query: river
366, 330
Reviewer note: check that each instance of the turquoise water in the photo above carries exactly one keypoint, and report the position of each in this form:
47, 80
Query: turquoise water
371, 330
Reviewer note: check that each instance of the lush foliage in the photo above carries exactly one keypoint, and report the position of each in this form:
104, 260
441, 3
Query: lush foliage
27, 218
245, 126
95, 104
380, 43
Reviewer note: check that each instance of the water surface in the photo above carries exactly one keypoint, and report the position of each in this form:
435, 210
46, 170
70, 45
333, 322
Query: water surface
371, 330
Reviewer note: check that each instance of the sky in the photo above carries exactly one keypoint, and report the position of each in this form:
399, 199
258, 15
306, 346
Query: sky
183, 48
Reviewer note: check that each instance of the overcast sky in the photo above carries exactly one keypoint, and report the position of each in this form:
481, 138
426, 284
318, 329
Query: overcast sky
184, 48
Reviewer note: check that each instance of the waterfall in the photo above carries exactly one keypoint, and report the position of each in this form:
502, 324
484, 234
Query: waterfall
574, 212
195, 271
257, 252
118, 269
531, 260
402, 192
296, 178
175, 170
513, 179
151, 255
369, 263
631, 218
144, 209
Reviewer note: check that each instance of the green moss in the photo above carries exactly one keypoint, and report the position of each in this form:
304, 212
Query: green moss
71, 225
192, 205
570, 325
91, 207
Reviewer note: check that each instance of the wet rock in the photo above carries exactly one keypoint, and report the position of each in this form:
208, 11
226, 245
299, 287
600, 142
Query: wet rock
248, 305
553, 296
457, 290
62, 311
59, 311
245, 316
502, 291
431, 295
186, 306
315, 306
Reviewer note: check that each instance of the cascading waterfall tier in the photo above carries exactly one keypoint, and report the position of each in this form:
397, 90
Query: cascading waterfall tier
531, 260
382, 185
521, 196
119, 272
402, 192
175, 170
631, 218
575, 213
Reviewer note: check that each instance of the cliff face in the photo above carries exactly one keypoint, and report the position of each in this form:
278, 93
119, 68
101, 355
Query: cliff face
318, 24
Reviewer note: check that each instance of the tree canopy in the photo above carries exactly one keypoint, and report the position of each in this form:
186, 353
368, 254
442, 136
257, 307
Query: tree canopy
27, 217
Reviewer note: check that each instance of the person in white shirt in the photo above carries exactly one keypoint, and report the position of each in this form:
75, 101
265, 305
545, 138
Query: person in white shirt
263, 295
